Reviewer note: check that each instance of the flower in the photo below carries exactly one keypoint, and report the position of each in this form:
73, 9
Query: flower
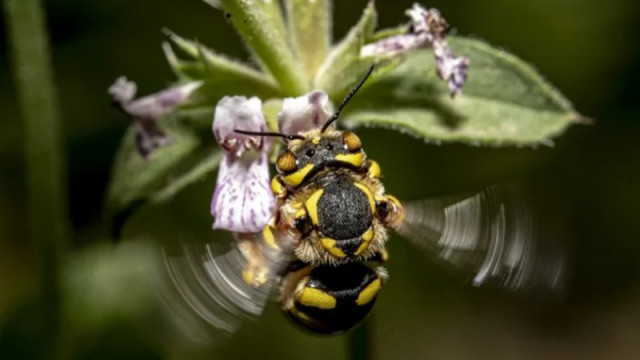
242, 200
303, 113
146, 111
426, 30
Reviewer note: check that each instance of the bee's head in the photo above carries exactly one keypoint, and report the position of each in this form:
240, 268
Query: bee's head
311, 151
317, 151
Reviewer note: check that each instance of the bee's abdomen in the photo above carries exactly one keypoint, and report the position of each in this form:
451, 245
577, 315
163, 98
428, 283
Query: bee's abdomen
344, 210
332, 300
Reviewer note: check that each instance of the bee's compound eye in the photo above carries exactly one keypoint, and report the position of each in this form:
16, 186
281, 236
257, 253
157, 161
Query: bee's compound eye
351, 141
286, 162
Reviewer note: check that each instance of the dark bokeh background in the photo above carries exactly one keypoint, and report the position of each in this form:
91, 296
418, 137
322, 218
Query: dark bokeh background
589, 49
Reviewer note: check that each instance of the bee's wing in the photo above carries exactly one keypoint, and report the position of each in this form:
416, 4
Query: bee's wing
493, 236
205, 293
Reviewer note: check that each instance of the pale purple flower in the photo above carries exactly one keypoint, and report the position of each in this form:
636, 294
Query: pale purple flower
303, 113
427, 30
146, 110
242, 200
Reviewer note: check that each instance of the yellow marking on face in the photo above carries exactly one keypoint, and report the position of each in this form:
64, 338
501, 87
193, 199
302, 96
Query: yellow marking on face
366, 237
369, 292
312, 206
269, 238
366, 190
355, 159
315, 140
296, 178
316, 298
374, 170
331, 247
277, 188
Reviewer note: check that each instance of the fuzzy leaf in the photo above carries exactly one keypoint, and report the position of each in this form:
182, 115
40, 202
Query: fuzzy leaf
343, 67
261, 26
203, 168
136, 181
221, 75
505, 102
310, 31
134, 178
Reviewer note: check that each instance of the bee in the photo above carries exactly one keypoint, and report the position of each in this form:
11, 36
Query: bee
332, 217
326, 243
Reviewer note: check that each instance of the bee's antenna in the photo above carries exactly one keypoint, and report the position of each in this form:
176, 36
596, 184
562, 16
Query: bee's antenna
353, 91
259, 133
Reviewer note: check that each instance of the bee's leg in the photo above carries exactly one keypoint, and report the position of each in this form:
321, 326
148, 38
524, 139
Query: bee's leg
373, 169
380, 256
302, 221
269, 237
255, 272
389, 211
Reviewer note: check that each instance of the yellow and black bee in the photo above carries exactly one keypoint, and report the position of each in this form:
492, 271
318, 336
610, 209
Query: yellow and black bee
332, 217
325, 244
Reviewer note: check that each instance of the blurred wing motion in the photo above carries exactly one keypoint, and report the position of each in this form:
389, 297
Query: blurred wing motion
493, 235
205, 293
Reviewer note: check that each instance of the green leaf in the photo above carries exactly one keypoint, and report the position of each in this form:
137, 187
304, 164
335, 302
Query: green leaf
135, 178
261, 26
200, 171
505, 102
343, 67
384, 33
310, 31
221, 75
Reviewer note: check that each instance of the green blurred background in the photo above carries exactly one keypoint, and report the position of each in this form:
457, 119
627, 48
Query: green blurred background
590, 181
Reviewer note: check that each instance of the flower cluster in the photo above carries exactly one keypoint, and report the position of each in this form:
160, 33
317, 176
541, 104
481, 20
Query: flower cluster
426, 30
146, 110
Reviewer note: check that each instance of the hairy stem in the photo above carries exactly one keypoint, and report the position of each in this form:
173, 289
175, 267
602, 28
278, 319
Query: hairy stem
43, 154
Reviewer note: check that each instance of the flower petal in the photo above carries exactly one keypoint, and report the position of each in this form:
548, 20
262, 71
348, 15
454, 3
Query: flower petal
123, 90
303, 113
242, 201
450, 68
161, 103
146, 111
149, 137
238, 112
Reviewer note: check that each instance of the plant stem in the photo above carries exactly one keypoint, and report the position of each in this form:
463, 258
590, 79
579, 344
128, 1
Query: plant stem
261, 25
360, 347
45, 177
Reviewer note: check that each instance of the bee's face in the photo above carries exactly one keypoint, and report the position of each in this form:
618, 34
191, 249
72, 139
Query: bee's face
317, 151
